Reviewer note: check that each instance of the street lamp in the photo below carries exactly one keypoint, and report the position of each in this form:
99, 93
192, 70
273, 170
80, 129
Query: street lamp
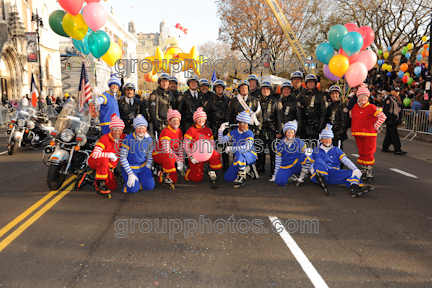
39, 24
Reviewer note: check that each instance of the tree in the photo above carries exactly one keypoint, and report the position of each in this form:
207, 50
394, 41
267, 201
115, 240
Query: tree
215, 50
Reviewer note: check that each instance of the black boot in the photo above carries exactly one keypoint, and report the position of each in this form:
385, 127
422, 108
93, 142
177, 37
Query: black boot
355, 190
225, 160
321, 181
241, 179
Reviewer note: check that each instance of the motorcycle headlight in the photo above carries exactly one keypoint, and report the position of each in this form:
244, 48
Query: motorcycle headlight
21, 122
30, 125
66, 135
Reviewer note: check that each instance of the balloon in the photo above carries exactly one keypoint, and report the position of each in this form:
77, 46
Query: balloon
338, 65
329, 75
384, 66
356, 74
352, 58
98, 43
410, 80
419, 57
410, 46
389, 74
71, 6
405, 79
82, 45
424, 38
423, 53
380, 52
404, 67
56, 21
368, 58
407, 74
95, 15
379, 62
406, 102
400, 74
112, 55
202, 150
352, 43
389, 68
74, 26
403, 52
154, 78
91, 1
351, 27
336, 34
368, 36
324, 52
407, 55
425, 46
417, 70
386, 54
318, 86
389, 48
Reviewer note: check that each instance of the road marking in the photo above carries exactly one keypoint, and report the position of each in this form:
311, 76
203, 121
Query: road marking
3, 152
404, 173
33, 208
307, 266
355, 155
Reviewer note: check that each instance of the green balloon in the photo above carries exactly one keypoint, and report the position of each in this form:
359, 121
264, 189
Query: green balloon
379, 52
336, 34
406, 102
98, 43
405, 49
410, 80
56, 22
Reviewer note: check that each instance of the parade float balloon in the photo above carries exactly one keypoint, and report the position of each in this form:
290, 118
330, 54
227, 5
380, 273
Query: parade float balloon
351, 27
407, 102
410, 46
368, 58
424, 38
417, 70
91, 1
154, 78
356, 74
400, 74
202, 150
389, 48
324, 52
368, 36
329, 75
338, 65
352, 43
98, 43
56, 22
380, 52
336, 34
419, 57
95, 15
407, 55
112, 55
82, 45
389, 74
405, 79
352, 58
386, 55
410, 80
404, 67
75, 26
71, 6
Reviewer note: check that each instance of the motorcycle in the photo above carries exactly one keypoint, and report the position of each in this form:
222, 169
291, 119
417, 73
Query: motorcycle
28, 127
72, 145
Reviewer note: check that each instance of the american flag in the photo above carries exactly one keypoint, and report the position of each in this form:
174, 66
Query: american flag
84, 87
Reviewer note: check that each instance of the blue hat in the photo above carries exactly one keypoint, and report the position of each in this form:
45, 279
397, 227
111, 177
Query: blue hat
139, 120
203, 81
290, 125
243, 117
129, 86
286, 84
311, 77
266, 84
327, 132
114, 80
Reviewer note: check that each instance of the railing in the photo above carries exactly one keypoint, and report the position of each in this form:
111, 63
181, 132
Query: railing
419, 122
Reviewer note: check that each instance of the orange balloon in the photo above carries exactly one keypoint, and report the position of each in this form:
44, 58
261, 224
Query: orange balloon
427, 53
404, 67
426, 65
424, 53
154, 78
319, 86
304, 84
425, 46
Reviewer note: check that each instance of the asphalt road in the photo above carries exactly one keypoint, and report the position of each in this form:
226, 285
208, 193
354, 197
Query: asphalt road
74, 238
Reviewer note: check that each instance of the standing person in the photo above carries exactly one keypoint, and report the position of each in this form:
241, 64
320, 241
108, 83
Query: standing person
290, 110
173, 88
107, 102
366, 120
296, 79
189, 102
254, 89
48, 100
391, 111
24, 101
4, 98
130, 107
159, 102
338, 117
204, 86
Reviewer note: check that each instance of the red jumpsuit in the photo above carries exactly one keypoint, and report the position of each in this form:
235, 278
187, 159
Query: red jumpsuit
168, 151
365, 123
99, 161
196, 171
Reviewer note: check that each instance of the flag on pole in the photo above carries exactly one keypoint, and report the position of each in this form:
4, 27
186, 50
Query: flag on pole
214, 76
84, 87
34, 92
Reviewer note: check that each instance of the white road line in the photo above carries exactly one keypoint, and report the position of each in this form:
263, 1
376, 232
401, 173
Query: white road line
307, 266
355, 155
3, 152
403, 173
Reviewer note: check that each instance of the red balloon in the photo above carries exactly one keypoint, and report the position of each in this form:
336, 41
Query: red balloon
351, 59
319, 86
351, 27
368, 36
405, 79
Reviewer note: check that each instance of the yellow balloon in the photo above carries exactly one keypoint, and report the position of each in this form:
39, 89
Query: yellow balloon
407, 74
75, 26
410, 46
386, 54
424, 38
389, 68
112, 55
338, 65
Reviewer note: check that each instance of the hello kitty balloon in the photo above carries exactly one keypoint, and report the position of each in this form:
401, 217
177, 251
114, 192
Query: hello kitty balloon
173, 35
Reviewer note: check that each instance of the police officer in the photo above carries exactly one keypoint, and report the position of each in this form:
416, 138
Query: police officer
338, 117
216, 107
159, 102
254, 89
173, 86
189, 102
130, 107
296, 79
204, 86
313, 109
271, 127
290, 110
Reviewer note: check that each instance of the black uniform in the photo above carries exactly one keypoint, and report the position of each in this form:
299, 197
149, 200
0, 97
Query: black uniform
176, 95
206, 96
129, 112
313, 112
290, 111
257, 93
338, 117
234, 108
391, 110
158, 104
187, 105
296, 92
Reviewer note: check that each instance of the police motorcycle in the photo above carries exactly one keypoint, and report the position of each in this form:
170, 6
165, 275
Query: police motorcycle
72, 144
28, 127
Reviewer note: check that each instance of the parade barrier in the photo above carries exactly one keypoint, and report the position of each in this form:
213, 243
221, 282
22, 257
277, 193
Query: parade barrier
416, 122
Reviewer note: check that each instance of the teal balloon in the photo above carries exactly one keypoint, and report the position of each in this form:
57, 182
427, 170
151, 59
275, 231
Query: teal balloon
352, 43
389, 48
82, 45
336, 34
324, 52
417, 70
98, 43
56, 22
419, 57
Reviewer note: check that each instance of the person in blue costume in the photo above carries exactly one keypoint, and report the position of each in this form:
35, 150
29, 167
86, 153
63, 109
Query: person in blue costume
136, 158
242, 140
107, 102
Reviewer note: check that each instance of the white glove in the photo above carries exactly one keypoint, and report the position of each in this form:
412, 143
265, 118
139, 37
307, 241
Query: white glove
131, 180
229, 149
224, 126
193, 160
112, 156
356, 173
180, 166
273, 178
308, 152
148, 165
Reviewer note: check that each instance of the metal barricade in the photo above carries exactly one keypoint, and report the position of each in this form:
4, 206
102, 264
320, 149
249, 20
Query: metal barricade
409, 122
50, 111
5, 116
424, 122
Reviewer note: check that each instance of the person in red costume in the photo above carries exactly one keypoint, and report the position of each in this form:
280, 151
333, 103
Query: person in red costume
169, 150
104, 157
366, 120
195, 133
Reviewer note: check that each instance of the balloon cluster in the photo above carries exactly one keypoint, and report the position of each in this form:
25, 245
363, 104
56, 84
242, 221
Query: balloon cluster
84, 27
352, 60
179, 26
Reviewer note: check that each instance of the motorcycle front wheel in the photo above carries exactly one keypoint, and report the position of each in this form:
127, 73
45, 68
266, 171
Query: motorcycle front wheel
13, 147
55, 178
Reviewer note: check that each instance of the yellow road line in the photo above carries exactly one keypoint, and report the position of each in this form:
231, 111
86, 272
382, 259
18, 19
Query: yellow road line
32, 208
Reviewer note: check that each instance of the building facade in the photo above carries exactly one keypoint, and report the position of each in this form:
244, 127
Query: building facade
147, 42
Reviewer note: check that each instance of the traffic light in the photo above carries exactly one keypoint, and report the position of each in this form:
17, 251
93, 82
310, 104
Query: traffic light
68, 66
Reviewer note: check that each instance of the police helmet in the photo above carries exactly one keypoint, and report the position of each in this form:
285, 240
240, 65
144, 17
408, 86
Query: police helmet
192, 78
173, 79
163, 76
266, 84
311, 77
129, 86
335, 88
203, 81
252, 77
243, 82
286, 84
219, 83
297, 74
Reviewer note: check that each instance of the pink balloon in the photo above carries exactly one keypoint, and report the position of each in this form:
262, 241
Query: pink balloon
329, 75
71, 6
351, 59
368, 58
90, 1
202, 150
351, 27
95, 15
356, 74
368, 36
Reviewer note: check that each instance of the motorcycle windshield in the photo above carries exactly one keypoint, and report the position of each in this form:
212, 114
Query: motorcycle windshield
25, 112
74, 118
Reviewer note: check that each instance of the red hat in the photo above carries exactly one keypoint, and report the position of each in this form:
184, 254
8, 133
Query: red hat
116, 122
199, 113
173, 113
363, 90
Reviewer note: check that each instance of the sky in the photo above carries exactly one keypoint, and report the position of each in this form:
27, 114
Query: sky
198, 16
